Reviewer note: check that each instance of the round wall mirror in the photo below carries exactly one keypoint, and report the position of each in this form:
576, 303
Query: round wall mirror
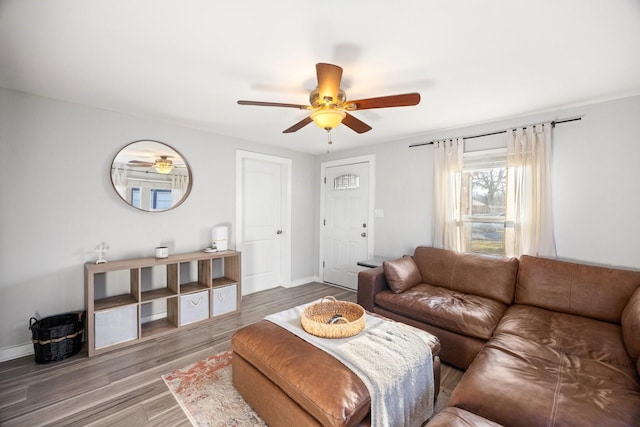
151, 176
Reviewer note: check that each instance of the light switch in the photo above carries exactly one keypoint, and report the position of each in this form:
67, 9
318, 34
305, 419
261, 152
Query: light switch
379, 213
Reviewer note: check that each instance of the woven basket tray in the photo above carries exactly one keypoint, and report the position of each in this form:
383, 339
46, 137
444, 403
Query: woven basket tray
330, 318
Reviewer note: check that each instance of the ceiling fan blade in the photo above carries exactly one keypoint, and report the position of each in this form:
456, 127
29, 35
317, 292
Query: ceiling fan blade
402, 100
355, 124
139, 163
329, 77
273, 104
302, 123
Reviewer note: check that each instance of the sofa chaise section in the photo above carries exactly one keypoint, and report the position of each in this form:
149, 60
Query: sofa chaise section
559, 355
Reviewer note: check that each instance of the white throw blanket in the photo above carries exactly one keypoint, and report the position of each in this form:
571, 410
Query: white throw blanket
392, 359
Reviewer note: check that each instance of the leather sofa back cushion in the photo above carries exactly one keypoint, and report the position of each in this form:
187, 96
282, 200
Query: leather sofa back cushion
631, 326
401, 274
584, 290
469, 273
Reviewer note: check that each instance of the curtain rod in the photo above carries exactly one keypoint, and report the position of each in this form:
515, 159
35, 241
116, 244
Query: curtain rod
553, 124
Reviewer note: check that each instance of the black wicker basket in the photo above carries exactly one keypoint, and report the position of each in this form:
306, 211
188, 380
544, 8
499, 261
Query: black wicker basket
57, 337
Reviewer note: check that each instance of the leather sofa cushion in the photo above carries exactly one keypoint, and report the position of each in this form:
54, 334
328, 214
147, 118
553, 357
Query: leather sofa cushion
466, 314
631, 325
598, 292
574, 336
482, 275
401, 274
572, 372
456, 417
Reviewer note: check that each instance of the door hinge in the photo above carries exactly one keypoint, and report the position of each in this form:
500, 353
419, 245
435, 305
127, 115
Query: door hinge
325, 179
322, 264
324, 222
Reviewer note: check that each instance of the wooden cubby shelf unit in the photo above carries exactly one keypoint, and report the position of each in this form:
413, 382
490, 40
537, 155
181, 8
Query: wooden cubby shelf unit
131, 300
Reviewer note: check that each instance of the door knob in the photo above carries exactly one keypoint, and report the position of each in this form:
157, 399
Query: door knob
364, 234
279, 232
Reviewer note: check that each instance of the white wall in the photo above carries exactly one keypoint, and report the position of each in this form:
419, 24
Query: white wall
596, 186
58, 203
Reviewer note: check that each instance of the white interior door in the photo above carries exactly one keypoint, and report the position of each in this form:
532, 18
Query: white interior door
263, 223
346, 223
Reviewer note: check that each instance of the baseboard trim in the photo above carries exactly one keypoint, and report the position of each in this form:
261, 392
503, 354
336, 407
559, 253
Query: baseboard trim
304, 281
16, 352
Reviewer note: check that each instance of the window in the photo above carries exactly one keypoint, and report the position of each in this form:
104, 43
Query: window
495, 200
346, 182
135, 197
157, 199
160, 199
484, 186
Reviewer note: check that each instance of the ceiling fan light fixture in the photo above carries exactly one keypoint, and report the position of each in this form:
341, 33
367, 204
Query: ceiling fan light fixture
163, 165
317, 100
327, 118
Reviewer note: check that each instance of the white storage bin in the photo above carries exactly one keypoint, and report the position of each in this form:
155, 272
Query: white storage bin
116, 325
225, 299
194, 307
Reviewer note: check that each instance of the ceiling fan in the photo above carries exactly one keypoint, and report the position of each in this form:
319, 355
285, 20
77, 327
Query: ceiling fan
162, 165
329, 106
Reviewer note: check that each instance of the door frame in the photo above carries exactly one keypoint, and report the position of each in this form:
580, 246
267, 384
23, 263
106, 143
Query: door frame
370, 159
285, 262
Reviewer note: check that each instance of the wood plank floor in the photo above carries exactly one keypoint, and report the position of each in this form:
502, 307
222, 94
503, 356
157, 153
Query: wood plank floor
124, 387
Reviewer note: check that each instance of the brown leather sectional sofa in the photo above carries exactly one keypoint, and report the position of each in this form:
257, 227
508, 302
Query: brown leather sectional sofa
544, 342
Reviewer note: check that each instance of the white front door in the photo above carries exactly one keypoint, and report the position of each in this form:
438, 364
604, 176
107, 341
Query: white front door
263, 222
346, 222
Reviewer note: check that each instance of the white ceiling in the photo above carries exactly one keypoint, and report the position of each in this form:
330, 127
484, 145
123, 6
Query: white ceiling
189, 61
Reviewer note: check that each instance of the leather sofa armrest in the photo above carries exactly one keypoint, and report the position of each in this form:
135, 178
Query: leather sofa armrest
370, 282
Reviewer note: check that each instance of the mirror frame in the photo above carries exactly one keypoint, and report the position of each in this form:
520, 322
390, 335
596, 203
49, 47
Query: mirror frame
165, 149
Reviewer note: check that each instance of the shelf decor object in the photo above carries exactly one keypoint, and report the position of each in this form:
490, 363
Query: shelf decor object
101, 249
132, 300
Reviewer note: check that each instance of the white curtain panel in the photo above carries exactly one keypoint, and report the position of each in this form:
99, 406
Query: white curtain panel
178, 187
119, 179
529, 192
447, 180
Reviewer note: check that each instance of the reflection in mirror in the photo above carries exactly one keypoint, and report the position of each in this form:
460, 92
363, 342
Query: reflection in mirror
151, 176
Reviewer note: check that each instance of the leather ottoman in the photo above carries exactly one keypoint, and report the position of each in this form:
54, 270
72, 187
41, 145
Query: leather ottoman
456, 417
290, 382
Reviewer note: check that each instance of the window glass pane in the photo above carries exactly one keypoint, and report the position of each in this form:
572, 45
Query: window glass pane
346, 182
135, 197
161, 199
484, 201
487, 238
488, 189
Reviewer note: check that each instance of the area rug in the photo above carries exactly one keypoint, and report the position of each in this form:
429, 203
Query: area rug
206, 394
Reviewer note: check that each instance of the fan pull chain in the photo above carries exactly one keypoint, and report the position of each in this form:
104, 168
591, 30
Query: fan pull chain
329, 141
